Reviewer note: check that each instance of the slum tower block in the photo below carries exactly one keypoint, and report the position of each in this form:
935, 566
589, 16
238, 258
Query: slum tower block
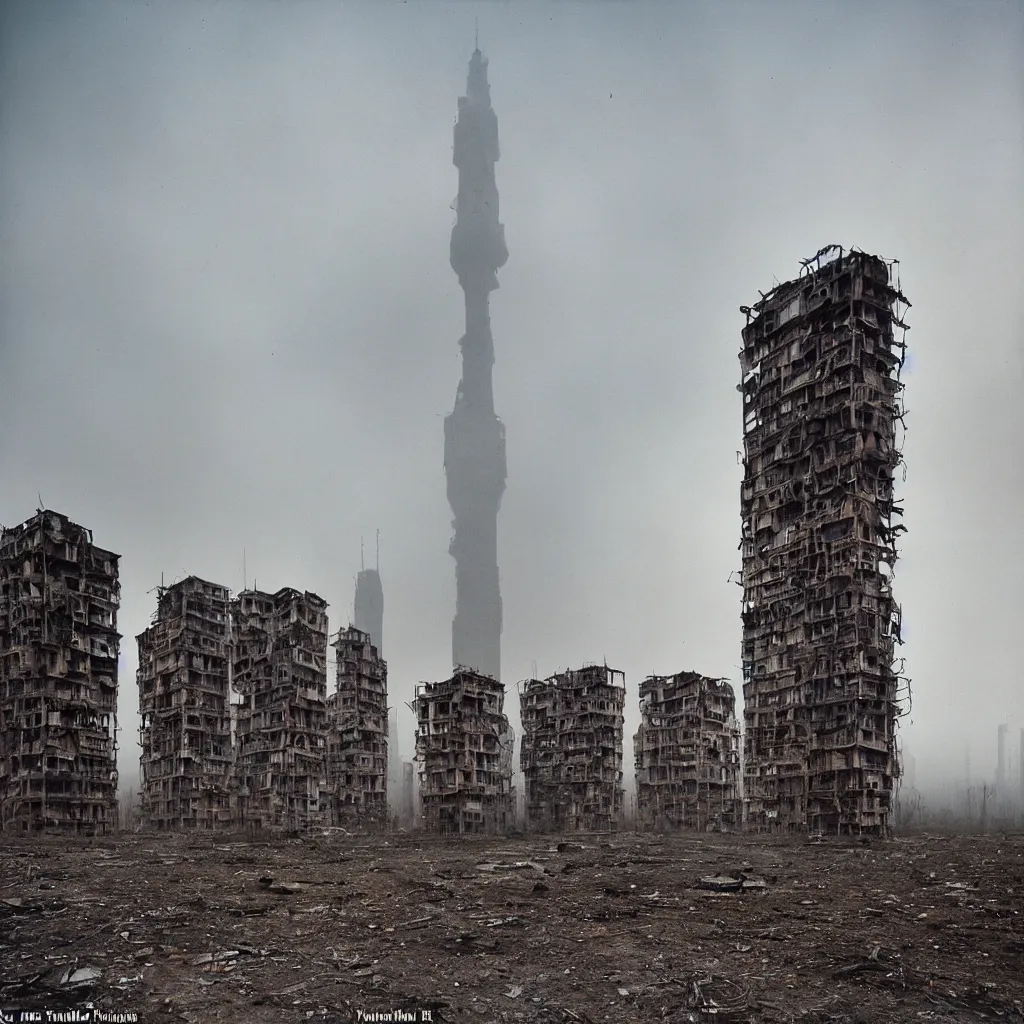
280, 672
357, 736
571, 750
59, 595
464, 747
474, 437
821, 397
185, 709
687, 753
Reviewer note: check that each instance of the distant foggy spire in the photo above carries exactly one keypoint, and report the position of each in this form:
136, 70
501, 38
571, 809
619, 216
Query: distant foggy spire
474, 449
369, 607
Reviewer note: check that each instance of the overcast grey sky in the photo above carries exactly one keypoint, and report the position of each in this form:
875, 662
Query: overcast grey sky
227, 318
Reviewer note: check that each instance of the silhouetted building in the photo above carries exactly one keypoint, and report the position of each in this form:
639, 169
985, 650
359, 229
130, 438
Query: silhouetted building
1001, 760
474, 442
369, 607
908, 770
1021, 795
394, 761
407, 807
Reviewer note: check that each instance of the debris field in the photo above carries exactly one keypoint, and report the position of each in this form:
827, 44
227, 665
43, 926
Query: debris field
602, 927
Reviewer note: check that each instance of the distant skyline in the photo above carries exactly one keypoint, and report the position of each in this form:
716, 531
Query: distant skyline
228, 321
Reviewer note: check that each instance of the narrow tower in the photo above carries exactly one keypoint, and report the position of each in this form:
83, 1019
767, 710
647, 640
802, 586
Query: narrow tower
474, 437
1001, 759
821, 685
1021, 766
369, 606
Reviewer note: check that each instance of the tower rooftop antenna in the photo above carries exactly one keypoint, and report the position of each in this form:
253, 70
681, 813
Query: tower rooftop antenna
476, 34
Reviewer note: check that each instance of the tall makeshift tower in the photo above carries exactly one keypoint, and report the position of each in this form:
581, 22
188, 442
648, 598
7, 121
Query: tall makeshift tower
571, 750
59, 644
474, 437
279, 657
186, 760
357, 740
821, 399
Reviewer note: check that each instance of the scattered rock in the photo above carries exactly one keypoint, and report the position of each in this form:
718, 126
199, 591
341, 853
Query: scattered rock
80, 977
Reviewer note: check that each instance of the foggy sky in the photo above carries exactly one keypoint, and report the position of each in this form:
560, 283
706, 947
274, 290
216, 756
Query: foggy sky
228, 320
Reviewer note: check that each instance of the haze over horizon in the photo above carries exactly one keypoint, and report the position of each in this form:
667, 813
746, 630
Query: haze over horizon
228, 320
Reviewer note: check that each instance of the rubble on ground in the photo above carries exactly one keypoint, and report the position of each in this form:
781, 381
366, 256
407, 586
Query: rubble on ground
226, 928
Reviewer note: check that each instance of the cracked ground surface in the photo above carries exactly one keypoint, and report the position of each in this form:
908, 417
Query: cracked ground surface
586, 928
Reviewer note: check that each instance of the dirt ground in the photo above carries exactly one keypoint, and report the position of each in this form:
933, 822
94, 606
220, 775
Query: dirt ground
529, 928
